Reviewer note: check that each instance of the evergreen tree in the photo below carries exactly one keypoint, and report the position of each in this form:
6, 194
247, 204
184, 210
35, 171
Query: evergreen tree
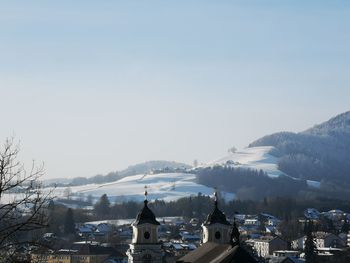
345, 227
69, 223
102, 207
310, 247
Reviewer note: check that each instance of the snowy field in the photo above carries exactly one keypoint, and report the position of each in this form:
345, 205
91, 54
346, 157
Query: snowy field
172, 186
258, 158
164, 186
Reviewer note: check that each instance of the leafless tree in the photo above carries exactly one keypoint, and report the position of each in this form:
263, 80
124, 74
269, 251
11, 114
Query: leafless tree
233, 149
23, 202
67, 193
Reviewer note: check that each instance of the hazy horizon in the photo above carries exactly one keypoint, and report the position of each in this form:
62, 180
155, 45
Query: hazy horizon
93, 87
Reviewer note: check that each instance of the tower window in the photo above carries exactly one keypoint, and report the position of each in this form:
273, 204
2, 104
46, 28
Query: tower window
146, 235
217, 235
147, 258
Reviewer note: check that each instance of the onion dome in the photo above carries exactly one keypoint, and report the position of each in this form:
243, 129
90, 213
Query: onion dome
145, 215
216, 216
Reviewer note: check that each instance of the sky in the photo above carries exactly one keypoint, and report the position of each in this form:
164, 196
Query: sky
90, 87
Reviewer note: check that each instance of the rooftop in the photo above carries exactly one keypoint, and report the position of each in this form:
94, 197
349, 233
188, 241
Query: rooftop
145, 216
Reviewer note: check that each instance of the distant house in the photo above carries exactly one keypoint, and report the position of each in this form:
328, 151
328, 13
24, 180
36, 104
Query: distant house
312, 213
240, 218
252, 222
82, 253
322, 239
334, 214
270, 229
85, 230
286, 253
100, 229
186, 236
266, 245
104, 228
273, 222
178, 249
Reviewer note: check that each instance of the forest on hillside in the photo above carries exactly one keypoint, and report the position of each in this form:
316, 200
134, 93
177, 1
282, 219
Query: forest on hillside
321, 153
248, 183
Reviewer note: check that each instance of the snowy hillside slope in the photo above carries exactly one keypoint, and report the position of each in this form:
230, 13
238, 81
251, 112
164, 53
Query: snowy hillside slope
164, 186
257, 158
172, 186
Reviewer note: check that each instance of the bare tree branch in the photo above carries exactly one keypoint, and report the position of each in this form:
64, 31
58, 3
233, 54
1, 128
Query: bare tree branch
23, 201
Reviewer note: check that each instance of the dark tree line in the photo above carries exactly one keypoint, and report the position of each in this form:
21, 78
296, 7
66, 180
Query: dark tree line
249, 183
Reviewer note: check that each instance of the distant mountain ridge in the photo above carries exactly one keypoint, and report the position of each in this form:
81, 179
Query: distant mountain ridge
336, 125
319, 153
140, 168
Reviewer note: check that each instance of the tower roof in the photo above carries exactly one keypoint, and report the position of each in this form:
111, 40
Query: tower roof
216, 216
145, 216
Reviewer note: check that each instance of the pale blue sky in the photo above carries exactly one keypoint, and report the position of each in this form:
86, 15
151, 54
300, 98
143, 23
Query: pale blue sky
94, 86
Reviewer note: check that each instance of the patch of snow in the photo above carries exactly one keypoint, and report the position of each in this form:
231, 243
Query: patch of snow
258, 158
164, 186
314, 184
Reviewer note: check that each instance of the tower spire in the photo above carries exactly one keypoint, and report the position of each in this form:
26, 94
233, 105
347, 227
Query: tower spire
216, 228
216, 196
145, 245
146, 194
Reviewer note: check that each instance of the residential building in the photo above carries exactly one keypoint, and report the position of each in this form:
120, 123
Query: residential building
79, 253
265, 246
322, 239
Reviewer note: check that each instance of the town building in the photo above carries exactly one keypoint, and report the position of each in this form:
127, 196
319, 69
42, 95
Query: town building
220, 242
266, 245
79, 253
145, 247
321, 239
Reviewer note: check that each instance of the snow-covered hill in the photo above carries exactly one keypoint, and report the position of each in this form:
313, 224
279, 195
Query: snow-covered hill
258, 158
165, 186
172, 186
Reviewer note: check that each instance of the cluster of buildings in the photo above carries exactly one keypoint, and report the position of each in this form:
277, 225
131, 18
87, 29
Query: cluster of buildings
80, 252
219, 241
265, 239
245, 238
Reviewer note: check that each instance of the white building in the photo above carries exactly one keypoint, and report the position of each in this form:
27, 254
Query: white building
265, 246
251, 222
321, 239
216, 228
145, 247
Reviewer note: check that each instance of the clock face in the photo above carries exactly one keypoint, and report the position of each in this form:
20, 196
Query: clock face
217, 235
146, 235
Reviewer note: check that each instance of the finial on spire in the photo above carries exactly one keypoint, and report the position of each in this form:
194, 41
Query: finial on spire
216, 196
146, 193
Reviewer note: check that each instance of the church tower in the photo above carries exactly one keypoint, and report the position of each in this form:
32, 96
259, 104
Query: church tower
216, 228
145, 247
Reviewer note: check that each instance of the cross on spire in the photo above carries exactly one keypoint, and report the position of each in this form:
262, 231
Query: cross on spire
216, 196
146, 193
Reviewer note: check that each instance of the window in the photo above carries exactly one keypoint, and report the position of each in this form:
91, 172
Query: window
146, 235
217, 235
147, 258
